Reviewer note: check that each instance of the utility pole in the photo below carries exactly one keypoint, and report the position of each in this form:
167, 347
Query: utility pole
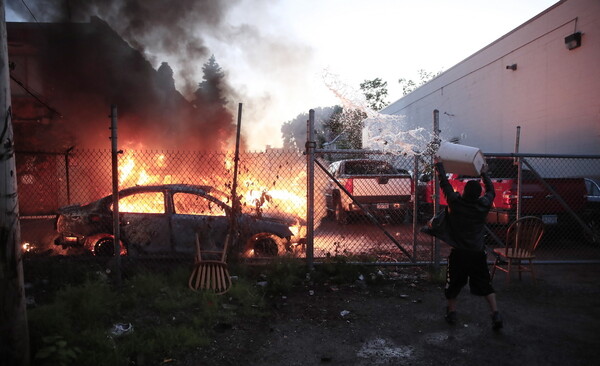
14, 335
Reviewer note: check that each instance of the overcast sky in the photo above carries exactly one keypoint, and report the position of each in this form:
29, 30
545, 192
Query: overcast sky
283, 55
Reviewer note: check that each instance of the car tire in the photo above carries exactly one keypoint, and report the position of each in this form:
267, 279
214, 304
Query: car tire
104, 247
264, 245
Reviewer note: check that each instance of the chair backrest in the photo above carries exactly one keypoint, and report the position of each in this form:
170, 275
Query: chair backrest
525, 234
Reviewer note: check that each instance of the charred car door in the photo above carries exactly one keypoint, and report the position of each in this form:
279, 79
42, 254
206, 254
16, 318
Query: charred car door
204, 215
145, 223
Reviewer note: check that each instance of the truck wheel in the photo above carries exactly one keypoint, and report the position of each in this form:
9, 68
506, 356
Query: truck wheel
341, 216
593, 223
398, 216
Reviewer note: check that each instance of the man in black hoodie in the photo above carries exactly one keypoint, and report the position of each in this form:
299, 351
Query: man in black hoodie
467, 262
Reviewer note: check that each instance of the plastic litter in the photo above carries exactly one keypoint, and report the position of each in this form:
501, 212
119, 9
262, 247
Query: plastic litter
120, 329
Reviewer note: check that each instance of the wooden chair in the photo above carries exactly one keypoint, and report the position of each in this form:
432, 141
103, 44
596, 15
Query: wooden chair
210, 274
522, 237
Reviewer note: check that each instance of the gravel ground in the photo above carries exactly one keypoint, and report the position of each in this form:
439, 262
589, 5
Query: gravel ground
400, 322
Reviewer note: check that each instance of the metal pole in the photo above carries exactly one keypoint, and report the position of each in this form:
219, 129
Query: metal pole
310, 185
234, 199
436, 190
415, 222
115, 187
519, 173
67, 173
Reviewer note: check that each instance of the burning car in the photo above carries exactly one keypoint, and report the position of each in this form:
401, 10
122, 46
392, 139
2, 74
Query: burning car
165, 219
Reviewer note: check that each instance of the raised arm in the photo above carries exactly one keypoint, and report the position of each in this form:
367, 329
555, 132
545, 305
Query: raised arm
490, 193
444, 183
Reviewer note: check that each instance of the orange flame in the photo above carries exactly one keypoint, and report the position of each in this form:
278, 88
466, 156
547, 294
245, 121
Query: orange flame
255, 195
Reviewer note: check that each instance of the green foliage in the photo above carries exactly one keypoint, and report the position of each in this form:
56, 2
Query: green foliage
294, 131
436, 275
408, 86
376, 92
56, 351
345, 125
282, 274
210, 89
338, 270
167, 318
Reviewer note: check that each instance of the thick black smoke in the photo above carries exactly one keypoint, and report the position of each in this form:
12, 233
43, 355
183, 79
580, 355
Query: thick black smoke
87, 66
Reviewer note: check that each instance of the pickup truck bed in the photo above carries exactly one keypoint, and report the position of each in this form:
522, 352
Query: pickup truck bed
373, 184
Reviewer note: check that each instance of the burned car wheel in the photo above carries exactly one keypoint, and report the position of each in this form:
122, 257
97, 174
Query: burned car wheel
105, 247
264, 245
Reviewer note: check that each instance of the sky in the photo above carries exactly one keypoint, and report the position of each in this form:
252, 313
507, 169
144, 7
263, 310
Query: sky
284, 57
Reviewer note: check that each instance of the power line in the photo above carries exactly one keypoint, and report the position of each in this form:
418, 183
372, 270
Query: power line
29, 10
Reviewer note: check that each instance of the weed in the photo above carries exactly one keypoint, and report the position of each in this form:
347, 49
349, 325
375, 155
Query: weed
56, 351
283, 274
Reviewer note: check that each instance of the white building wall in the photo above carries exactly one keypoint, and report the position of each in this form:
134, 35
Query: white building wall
554, 94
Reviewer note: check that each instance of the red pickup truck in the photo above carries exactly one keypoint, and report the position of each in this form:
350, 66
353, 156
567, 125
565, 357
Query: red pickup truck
536, 199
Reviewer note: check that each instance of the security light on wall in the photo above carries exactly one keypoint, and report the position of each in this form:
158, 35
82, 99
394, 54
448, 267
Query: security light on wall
573, 41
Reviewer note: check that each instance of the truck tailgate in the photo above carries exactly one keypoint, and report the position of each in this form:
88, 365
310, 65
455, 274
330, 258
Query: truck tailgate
382, 186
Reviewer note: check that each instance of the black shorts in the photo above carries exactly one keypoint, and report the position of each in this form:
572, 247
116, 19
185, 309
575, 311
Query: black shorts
467, 267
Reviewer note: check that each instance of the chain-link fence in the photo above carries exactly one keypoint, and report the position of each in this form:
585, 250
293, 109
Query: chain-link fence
355, 215
376, 218
166, 198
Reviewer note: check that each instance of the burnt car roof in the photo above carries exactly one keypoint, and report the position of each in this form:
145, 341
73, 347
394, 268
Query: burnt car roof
161, 187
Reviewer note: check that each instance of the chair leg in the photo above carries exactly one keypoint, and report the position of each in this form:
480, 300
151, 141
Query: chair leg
508, 270
494, 268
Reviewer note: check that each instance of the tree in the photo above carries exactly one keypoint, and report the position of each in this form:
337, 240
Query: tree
293, 132
165, 77
215, 120
375, 91
345, 125
408, 86
210, 89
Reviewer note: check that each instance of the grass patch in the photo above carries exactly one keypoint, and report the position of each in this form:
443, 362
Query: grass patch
74, 324
167, 318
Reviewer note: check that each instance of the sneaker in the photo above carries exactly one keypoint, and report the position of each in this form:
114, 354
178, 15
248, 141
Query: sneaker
450, 317
497, 323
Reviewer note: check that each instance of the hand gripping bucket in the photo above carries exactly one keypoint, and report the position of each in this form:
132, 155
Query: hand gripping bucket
461, 159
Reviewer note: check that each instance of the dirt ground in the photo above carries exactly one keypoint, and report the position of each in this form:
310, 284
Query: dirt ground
553, 322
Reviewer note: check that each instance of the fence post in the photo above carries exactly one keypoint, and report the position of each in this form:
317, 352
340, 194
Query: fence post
310, 185
519, 173
436, 190
235, 202
67, 174
115, 187
415, 215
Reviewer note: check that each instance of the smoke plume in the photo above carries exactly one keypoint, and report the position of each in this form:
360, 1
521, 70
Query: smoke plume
95, 69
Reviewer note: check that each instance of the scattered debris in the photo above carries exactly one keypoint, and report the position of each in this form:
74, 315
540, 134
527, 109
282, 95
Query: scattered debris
120, 329
343, 313
383, 351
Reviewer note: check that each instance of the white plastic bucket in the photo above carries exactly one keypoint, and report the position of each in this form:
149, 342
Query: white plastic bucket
461, 159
